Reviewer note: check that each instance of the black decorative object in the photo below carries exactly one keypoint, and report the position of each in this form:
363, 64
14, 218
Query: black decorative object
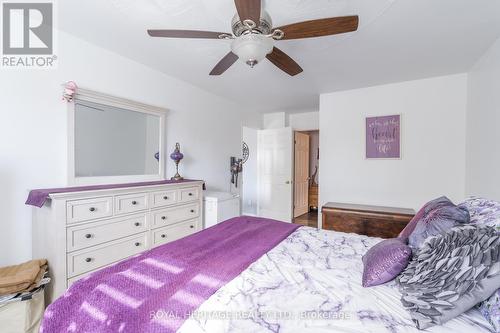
245, 152
236, 166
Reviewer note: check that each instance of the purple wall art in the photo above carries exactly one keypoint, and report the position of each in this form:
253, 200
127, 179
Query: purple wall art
383, 137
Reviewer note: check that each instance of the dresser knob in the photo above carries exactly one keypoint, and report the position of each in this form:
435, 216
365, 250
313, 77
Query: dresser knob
191, 226
163, 217
137, 224
88, 259
92, 209
134, 202
165, 198
192, 210
137, 244
190, 194
88, 236
163, 236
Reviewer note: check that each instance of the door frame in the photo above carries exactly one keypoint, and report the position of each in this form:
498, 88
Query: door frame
294, 167
307, 131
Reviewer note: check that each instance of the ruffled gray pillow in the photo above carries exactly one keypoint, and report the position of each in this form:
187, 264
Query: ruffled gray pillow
451, 273
486, 212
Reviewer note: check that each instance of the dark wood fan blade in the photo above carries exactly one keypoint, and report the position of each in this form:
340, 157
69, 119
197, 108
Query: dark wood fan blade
186, 34
284, 62
321, 27
248, 10
224, 64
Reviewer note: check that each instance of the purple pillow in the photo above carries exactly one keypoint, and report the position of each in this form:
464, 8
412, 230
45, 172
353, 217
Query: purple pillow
439, 219
384, 261
431, 205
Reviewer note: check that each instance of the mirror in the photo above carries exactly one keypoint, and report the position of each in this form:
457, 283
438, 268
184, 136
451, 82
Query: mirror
115, 144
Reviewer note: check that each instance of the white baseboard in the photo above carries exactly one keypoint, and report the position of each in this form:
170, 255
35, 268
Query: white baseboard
248, 214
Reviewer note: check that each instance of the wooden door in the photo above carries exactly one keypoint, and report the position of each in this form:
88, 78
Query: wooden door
301, 188
274, 158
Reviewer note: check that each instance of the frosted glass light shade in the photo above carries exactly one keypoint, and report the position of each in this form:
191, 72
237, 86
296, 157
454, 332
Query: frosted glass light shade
252, 48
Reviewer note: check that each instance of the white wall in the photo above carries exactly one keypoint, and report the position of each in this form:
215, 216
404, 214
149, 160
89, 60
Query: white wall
249, 176
306, 121
33, 128
274, 120
483, 126
433, 141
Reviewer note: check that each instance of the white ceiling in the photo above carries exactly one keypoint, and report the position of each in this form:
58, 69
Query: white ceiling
397, 40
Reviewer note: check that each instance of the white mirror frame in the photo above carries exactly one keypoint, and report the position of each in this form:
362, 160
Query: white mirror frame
100, 98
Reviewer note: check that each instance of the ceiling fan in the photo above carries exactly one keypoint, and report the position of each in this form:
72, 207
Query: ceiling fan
253, 36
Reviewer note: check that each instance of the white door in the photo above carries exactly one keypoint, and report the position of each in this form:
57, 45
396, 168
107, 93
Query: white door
301, 181
274, 185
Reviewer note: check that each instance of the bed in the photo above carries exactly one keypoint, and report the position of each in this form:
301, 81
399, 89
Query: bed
297, 279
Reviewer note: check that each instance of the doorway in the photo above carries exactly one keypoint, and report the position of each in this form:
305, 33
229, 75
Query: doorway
306, 176
275, 174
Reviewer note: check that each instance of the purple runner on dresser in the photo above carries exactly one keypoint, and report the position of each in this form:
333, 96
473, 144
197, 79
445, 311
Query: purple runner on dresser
38, 197
158, 289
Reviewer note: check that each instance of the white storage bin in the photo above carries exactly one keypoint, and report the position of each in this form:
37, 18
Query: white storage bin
23, 316
220, 206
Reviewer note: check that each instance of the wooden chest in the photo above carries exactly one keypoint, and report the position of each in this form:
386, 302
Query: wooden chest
374, 221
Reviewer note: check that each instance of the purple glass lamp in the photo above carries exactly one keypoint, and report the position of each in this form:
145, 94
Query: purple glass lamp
177, 156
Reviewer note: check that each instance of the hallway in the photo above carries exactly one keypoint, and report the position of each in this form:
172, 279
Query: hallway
309, 219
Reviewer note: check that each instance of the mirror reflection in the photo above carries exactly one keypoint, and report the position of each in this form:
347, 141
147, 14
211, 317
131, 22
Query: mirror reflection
110, 141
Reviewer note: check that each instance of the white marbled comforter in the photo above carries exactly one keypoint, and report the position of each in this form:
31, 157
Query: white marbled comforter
311, 283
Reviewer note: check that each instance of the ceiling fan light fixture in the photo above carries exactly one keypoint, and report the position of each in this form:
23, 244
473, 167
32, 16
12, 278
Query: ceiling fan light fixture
252, 48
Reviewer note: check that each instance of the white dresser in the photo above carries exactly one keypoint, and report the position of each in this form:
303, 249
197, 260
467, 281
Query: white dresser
80, 232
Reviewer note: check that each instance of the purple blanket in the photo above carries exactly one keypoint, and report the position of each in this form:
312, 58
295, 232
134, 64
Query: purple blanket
38, 197
158, 289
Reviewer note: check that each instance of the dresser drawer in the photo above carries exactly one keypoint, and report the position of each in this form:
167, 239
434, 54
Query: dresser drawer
84, 275
173, 215
98, 256
131, 203
189, 194
165, 198
82, 236
88, 209
171, 233
76, 278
